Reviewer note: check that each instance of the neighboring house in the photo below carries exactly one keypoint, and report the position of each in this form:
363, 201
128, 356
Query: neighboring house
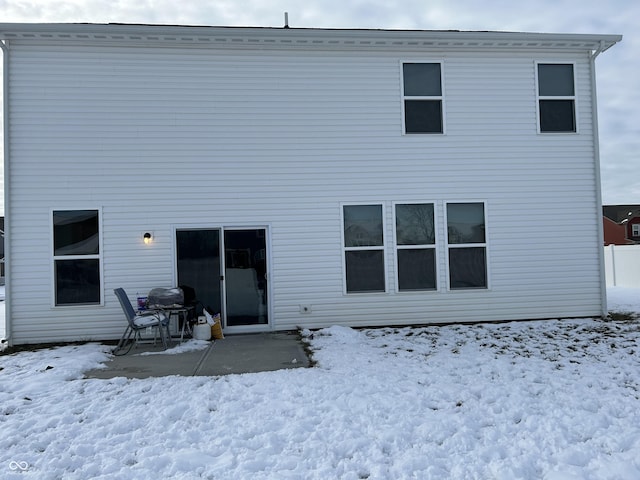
614, 233
632, 226
299, 177
621, 224
618, 213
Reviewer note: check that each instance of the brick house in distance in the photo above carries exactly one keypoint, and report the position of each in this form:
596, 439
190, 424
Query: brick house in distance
621, 224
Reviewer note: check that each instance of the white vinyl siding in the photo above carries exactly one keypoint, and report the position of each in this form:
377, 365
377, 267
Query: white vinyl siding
213, 136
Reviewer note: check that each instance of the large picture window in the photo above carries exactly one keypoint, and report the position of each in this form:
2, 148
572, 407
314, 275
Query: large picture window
422, 97
556, 98
466, 245
415, 246
363, 233
76, 257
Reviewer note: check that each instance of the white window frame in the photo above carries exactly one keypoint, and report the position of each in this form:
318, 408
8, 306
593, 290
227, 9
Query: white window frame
440, 97
434, 246
484, 245
345, 249
98, 256
573, 97
635, 230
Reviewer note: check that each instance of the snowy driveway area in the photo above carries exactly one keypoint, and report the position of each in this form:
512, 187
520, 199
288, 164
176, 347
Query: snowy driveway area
531, 400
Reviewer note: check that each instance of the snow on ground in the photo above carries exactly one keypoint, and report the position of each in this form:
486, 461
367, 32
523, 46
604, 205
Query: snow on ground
623, 299
530, 400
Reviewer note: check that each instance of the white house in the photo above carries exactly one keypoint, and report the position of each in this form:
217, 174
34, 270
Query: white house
299, 177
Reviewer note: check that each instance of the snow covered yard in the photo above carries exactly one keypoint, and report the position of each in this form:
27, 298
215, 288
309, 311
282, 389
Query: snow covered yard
550, 400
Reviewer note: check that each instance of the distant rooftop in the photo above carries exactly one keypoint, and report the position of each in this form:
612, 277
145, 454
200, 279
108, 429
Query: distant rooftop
617, 213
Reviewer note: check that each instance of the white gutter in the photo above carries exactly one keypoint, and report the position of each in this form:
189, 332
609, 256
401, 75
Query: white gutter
598, 180
7, 187
301, 37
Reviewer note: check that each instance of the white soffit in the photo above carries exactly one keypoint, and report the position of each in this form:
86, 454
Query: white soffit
245, 37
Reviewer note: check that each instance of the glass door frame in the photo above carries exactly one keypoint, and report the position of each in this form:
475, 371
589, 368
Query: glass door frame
264, 327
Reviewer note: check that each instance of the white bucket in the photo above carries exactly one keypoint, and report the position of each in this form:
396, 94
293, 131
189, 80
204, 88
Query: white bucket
202, 331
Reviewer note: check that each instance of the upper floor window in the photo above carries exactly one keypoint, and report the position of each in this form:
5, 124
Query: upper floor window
422, 97
556, 98
76, 257
635, 230
364, 248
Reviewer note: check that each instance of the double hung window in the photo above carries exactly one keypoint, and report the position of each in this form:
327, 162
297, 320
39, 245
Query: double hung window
363, 233
76, 257
466, 245
556, 97
422, 97
415, 250
415, 246
635, 230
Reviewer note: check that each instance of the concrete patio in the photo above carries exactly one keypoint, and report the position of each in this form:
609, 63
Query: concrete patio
234, 354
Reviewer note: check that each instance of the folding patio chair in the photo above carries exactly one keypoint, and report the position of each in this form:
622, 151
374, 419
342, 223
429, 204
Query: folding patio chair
137, 323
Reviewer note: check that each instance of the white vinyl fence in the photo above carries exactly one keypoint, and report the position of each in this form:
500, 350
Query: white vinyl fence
622, 265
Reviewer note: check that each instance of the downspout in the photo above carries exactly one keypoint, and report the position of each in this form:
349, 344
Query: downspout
7, 170
596, 152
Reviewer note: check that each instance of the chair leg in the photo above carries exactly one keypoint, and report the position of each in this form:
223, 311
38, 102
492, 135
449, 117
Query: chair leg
136, 338
132, 337
126, 338
158, 329
122, 339
165, 333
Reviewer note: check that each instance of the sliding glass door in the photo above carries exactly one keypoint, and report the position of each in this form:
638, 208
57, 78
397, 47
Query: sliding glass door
198, 265
239, 294
246, 276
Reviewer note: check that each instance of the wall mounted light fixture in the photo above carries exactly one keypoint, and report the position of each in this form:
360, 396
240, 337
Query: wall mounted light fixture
147, 237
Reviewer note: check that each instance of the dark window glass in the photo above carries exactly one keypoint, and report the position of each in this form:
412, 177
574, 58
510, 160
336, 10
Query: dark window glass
75, 232
467, 268
198, 265
365, 271
555, 80
421, 79
416, 266
423, 116
414, 224
77, 282
364, 265
465, 223
557, 116
416, 269
363, 226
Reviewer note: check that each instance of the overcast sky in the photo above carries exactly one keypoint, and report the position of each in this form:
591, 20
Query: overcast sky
618, 69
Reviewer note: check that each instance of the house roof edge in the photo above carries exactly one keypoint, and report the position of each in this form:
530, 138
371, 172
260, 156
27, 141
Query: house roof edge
122, 31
